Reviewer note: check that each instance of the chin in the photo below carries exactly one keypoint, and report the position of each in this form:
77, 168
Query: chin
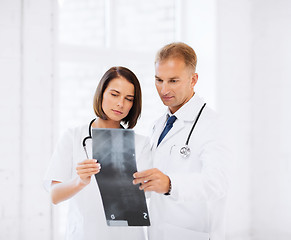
116, 119
113, 118
169, 105
166, 103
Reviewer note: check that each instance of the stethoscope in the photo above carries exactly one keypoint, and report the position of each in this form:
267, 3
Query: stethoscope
90, 136
185, 151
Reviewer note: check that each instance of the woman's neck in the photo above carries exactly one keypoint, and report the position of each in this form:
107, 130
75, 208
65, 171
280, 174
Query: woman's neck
101, 123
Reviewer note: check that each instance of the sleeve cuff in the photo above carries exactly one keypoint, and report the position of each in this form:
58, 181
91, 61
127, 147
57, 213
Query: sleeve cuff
187, 188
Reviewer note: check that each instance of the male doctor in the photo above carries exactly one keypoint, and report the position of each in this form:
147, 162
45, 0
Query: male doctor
188, 187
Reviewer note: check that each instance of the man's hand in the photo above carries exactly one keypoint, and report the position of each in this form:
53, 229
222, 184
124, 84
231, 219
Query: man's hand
152, 180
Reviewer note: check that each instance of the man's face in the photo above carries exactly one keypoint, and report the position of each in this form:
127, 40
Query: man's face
174, 82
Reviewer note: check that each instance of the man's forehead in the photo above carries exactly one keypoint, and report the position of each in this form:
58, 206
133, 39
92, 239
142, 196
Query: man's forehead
171, 61
171, 68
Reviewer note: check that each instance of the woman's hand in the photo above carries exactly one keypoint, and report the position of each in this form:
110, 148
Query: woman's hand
62, 191
86, 169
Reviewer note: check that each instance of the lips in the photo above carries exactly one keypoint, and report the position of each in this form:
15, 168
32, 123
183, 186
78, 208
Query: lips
166, 98
117, 112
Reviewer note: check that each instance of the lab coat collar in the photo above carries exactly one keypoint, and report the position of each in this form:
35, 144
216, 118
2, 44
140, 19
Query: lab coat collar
189, 111
178, 125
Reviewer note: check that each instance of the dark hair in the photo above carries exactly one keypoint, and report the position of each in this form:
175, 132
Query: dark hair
178, 50
116, 72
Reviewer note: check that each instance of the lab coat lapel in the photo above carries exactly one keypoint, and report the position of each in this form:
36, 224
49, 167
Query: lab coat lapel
178, 125
157, 130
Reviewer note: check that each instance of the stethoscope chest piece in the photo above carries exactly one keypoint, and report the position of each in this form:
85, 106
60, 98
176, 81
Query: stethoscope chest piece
185, 151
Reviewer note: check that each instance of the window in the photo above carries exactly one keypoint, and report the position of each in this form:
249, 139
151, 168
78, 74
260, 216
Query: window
96, 35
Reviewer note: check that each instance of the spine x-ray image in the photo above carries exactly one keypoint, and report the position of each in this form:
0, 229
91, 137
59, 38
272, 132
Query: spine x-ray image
123, 202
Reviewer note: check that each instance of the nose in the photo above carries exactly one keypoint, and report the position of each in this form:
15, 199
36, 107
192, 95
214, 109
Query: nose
120, 102
164, 89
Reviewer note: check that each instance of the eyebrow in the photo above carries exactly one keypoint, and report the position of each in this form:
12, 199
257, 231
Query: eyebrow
119, 93
172, 78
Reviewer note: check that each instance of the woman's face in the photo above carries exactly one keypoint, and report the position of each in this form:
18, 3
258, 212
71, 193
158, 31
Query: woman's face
118, 99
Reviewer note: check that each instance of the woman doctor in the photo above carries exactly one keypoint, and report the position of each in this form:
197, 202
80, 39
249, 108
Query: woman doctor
117, 100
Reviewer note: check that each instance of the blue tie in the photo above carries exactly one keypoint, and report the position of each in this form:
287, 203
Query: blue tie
167, 128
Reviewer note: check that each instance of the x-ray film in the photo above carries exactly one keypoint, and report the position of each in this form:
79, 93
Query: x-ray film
124, 204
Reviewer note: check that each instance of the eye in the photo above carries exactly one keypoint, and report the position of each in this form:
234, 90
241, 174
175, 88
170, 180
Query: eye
159, 80
114, 94
173, 81
129, 99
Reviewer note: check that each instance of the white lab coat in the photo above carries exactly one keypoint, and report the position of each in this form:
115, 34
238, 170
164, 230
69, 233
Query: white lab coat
86, 217
195, 208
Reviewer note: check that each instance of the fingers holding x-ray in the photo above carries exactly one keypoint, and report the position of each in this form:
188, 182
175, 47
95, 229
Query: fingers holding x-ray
152, 180
87, 168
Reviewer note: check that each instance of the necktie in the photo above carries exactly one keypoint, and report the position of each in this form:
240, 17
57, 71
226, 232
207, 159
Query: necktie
167, 128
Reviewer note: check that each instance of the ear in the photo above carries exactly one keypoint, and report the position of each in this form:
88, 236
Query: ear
194, 79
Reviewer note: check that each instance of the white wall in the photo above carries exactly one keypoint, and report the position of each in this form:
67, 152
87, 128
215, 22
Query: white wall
234, 68
271, 98
199, 31
26, 123
253, 86
10, 170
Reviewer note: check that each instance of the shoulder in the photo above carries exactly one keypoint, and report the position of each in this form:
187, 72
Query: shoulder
143, 152
142, 143
74, 132
214, 124
141, 139
160, 120
210, 115
81, 129
213, 116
